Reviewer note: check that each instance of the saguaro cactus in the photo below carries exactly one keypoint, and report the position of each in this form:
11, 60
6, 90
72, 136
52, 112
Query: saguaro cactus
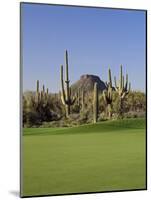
37, 90
66, 98
107, 95
122, 88
95, 103
37, 97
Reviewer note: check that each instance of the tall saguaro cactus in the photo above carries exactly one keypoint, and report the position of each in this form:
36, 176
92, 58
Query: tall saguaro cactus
66, 98
107, 94
37, 91
122, 88
95, 103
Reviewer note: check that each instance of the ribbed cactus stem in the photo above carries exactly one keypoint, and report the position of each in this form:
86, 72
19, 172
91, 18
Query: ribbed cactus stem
43, 89
66, 58
37, 86
37, 92
107, 95
95, 103
126, 85
63, 98
110, 78
67, 86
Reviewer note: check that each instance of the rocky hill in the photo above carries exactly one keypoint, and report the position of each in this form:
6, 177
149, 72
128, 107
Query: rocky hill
86, 82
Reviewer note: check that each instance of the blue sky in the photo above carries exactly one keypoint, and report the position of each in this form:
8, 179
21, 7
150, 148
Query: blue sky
95, 38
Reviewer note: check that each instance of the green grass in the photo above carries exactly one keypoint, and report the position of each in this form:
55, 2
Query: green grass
103, 157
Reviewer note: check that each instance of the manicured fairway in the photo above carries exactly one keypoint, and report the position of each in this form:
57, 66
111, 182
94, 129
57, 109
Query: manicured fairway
102, 157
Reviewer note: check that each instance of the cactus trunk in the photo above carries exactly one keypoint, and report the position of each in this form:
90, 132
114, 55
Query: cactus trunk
108, 95
109, 107
37, 86
121, 108
95, 103
66, 93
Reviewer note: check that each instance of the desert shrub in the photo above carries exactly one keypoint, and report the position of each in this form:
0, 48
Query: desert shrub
51, 112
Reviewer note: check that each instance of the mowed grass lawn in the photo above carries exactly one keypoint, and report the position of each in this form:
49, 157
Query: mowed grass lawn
106, 156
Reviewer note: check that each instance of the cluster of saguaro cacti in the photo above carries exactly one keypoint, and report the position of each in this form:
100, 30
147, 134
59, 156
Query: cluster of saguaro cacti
41, 95
95, 103
123, 88
66, 95
107, 94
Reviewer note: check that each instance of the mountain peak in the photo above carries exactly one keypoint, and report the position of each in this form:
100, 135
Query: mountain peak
86, 82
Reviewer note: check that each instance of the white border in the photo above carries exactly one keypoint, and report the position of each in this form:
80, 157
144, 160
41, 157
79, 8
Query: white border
9, 98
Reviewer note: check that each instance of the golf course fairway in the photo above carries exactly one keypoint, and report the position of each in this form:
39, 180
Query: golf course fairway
99, 157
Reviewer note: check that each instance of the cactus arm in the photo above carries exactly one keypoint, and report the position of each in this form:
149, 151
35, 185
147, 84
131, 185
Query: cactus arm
126, 84
116, 87
106, 84
104, 95
63, 98
73, 100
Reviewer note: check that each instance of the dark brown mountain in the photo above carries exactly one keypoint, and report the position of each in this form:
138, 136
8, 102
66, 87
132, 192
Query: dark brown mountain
86, 82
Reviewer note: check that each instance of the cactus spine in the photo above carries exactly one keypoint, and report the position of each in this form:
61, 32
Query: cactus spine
95, 103
122, 88
107, 94
66, 98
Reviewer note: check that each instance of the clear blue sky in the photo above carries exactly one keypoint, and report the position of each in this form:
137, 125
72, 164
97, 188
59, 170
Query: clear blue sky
95, 39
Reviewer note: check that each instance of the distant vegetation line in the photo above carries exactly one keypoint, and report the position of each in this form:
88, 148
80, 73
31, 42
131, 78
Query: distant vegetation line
107, 126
